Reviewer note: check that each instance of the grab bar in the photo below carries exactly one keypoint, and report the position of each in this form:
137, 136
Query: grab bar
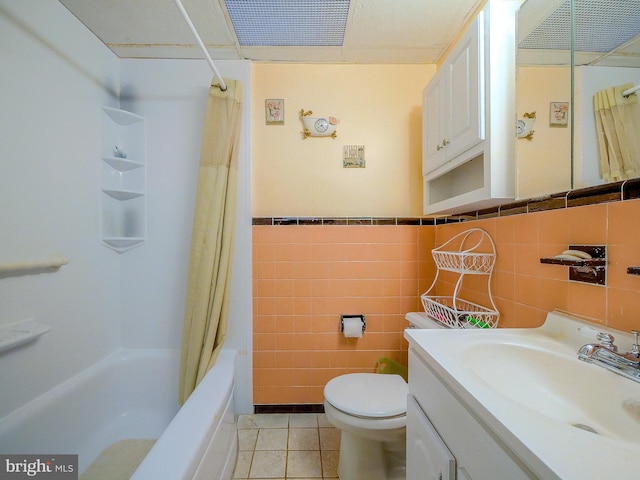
51, 262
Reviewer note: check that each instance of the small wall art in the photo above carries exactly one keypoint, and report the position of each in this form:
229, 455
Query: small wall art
559, 114
274, 111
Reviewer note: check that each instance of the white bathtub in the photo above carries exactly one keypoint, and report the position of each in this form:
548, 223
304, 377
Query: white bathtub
133, 394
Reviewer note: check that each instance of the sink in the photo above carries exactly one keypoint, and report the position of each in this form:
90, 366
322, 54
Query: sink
544, 375
564, 418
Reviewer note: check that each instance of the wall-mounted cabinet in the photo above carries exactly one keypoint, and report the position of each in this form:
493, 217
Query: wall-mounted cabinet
454, 102
468, 117
123, 221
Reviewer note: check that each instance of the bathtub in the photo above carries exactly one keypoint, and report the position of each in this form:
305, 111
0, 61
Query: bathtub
132, 394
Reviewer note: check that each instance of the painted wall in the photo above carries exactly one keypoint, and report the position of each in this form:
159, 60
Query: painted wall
542, 163
379, 106
56, 77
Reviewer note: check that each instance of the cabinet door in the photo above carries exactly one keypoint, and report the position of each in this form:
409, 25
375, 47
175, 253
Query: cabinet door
467, 99
428, 458
435, 123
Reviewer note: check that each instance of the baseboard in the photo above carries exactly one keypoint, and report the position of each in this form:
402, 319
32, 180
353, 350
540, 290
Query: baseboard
290, 408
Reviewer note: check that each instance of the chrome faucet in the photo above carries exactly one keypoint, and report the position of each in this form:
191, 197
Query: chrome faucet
605, 354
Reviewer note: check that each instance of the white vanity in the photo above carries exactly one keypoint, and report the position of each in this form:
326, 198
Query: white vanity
518, 404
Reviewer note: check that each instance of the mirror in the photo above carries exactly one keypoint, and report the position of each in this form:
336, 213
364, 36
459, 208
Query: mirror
553, 70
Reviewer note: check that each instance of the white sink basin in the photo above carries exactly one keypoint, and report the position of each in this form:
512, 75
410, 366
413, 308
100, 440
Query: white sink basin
563, 417
544, 376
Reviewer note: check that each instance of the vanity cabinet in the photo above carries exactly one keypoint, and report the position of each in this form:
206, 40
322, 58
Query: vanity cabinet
469, 112
439, 422
122, 180
453, 102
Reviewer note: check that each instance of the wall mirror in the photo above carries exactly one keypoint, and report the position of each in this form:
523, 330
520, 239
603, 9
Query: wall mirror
567, 51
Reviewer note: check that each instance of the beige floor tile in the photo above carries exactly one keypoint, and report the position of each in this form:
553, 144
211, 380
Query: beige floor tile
329, 438
264, 420
330, 463
272, 439
243, 464
303, 420
304, 464
247, 439
287, 446
303, 439
323, 422
268, 464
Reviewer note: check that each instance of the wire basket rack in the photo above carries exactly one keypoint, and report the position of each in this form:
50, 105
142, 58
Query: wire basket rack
457, 313
471, 252
467, 257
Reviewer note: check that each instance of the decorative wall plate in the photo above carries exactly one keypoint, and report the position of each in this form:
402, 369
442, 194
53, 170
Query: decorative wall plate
318, 126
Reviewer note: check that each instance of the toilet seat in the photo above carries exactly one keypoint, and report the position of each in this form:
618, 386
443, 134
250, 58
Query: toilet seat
368, 395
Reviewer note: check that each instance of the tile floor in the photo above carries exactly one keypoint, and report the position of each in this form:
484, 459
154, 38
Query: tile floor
287, 446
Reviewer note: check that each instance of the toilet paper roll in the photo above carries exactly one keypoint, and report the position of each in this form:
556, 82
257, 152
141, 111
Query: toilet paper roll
352, 327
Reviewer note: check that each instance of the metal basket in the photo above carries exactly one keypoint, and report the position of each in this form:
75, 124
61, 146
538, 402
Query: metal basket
471, 252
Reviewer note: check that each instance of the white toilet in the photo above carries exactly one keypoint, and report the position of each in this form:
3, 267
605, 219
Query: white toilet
370, 411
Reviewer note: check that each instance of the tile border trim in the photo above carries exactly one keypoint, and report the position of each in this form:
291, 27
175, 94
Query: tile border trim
609, 192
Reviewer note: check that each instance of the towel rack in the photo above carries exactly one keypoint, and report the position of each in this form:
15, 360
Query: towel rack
51, 262
631, 91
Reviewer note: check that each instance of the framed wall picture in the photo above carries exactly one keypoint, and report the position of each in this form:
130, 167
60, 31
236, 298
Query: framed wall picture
274, 111
559, 114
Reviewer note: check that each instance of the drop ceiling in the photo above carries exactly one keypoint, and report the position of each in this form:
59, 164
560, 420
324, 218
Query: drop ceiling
374, 31
342, 31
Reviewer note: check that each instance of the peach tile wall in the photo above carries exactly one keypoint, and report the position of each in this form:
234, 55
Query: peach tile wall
306, 276
525, 289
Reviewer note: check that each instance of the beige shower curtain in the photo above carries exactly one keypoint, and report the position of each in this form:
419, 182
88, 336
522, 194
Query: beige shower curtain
207, 302
617, 129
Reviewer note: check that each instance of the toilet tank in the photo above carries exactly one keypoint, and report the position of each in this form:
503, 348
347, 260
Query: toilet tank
423, 321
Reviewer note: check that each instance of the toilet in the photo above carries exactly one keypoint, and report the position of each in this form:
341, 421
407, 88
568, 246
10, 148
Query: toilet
370, 411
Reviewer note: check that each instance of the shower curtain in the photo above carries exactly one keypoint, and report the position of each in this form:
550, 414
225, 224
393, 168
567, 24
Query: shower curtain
207, 303
617, 127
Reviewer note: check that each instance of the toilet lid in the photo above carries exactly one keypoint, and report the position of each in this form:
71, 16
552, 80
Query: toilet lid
368, 394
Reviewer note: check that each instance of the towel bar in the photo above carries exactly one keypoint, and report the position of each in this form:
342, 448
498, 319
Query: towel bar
52, 262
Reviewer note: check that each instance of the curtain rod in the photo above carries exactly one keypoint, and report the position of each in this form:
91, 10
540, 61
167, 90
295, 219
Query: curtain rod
631, 91
223, 86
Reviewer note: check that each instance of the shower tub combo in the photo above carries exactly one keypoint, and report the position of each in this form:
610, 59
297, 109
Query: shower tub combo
130, 398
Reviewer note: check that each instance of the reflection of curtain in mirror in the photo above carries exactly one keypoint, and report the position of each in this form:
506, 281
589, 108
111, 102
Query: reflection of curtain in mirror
618, 132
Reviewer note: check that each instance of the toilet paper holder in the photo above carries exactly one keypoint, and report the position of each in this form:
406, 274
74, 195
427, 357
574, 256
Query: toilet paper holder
348, 317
